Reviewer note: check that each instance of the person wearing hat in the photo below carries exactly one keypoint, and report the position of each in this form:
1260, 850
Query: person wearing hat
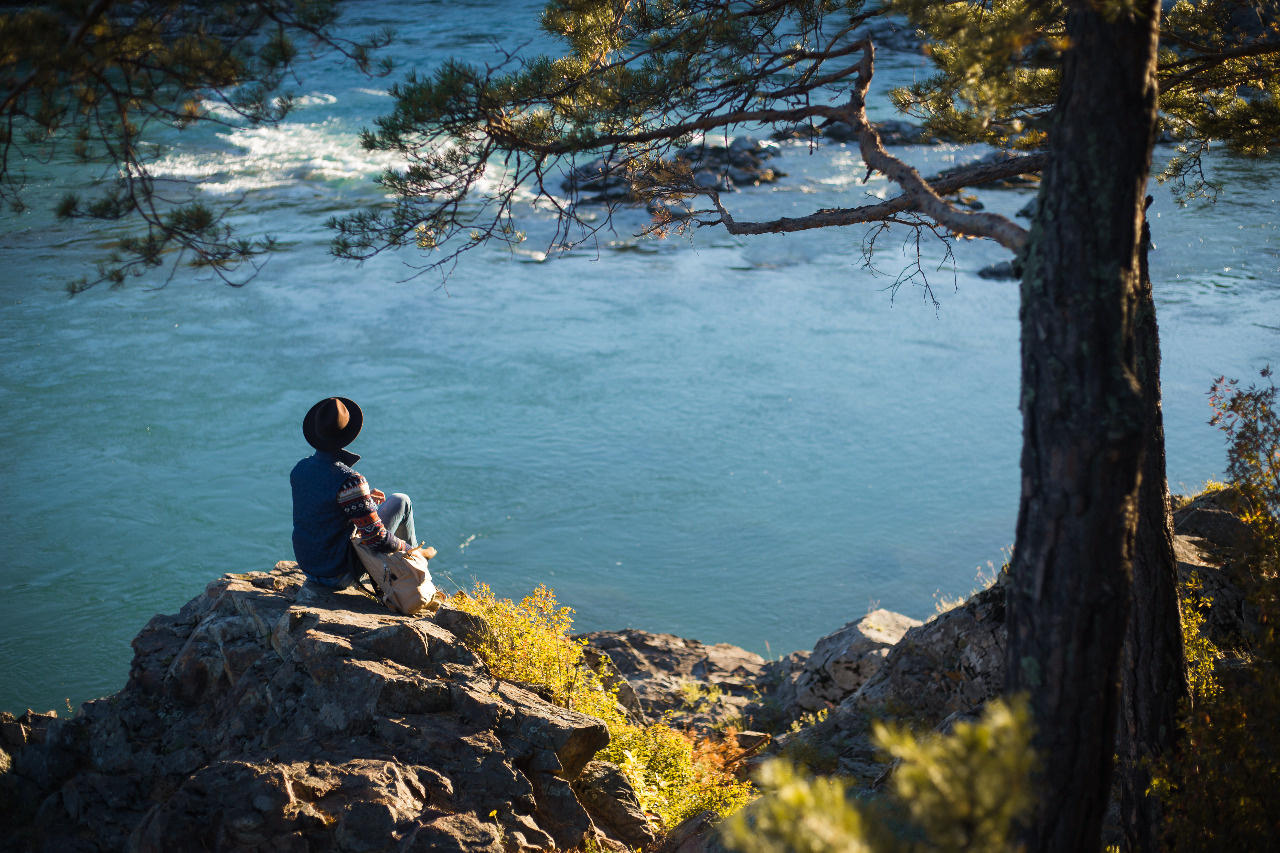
330, 500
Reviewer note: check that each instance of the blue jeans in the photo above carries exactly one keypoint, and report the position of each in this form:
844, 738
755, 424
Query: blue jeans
396, 513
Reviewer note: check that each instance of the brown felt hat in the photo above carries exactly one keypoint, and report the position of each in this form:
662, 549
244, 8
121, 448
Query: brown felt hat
332, 424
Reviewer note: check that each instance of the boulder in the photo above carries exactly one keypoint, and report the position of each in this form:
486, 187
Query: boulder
839, 664
612, 803
1230, 618
892, 132
708, 179
999, 271
695, 834
268, 715
707, 166
603, 179
667, 209
701, 685
724, 168
898, 132
950, 663
995, 157
1214, 517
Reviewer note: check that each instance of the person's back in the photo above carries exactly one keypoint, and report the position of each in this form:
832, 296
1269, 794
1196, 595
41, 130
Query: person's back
321, 530
331, 501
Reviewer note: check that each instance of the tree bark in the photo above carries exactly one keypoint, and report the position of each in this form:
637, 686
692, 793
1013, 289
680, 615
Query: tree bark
1154, 680
1083, 417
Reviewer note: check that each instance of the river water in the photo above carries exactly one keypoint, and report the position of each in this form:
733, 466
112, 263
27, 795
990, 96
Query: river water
749, 440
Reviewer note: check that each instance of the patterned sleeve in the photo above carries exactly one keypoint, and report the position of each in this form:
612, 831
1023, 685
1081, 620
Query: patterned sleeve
361, 510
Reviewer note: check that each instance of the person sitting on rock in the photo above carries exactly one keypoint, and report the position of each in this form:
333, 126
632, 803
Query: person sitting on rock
330, 500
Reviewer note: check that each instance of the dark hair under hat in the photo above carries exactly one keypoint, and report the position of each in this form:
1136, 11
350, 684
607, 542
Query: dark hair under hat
332, 424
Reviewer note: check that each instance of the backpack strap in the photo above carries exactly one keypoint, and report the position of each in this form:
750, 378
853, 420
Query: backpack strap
358, 572
360, 583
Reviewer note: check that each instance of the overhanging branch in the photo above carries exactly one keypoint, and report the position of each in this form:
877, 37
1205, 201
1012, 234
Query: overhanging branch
938, 184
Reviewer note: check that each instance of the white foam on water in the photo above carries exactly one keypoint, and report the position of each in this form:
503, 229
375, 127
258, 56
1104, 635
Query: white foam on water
262, 157
220, 110
314, 99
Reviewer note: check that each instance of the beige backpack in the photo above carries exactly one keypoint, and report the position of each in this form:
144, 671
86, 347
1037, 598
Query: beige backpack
403, 581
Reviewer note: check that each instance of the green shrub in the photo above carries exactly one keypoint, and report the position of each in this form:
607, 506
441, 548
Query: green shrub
1221, 787
1252, 426
698, 696
673, 777
529, 642
957, 793
1202, 655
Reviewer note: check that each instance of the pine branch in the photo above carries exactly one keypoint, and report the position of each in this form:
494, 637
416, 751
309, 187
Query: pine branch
938, 184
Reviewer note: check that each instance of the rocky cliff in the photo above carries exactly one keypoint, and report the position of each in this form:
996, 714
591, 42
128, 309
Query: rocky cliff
266, 716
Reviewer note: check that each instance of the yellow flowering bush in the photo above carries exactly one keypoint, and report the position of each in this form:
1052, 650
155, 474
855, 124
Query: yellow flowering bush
529, 641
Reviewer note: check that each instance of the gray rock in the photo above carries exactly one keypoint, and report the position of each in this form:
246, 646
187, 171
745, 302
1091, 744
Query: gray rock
559, 812
712, 166
695, 834
701, 685
457, 833
709, 180
1220, 527
1213, 516
803, 130
271, 715
840, 663
897, 132
1015, 182
1001, 271
614, 680
892, 132
603, 176
838, 132
1230, 618
468, 627
951, 663
612, 803
670, 208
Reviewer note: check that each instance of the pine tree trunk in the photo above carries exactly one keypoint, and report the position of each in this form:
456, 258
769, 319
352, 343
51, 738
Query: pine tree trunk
1083, 418
1154, 679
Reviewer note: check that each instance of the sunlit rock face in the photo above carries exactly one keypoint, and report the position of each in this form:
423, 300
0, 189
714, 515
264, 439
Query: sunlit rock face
267, 716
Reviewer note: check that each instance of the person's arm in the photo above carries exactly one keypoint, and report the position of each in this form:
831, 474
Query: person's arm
361, 509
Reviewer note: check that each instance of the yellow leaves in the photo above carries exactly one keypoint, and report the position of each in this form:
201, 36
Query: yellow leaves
529, 642
426, 238
674, 777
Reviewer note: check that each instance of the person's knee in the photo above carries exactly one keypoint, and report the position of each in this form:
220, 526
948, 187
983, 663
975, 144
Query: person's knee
403, 499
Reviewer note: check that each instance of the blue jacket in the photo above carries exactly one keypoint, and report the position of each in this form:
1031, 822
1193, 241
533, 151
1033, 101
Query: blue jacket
321, 530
